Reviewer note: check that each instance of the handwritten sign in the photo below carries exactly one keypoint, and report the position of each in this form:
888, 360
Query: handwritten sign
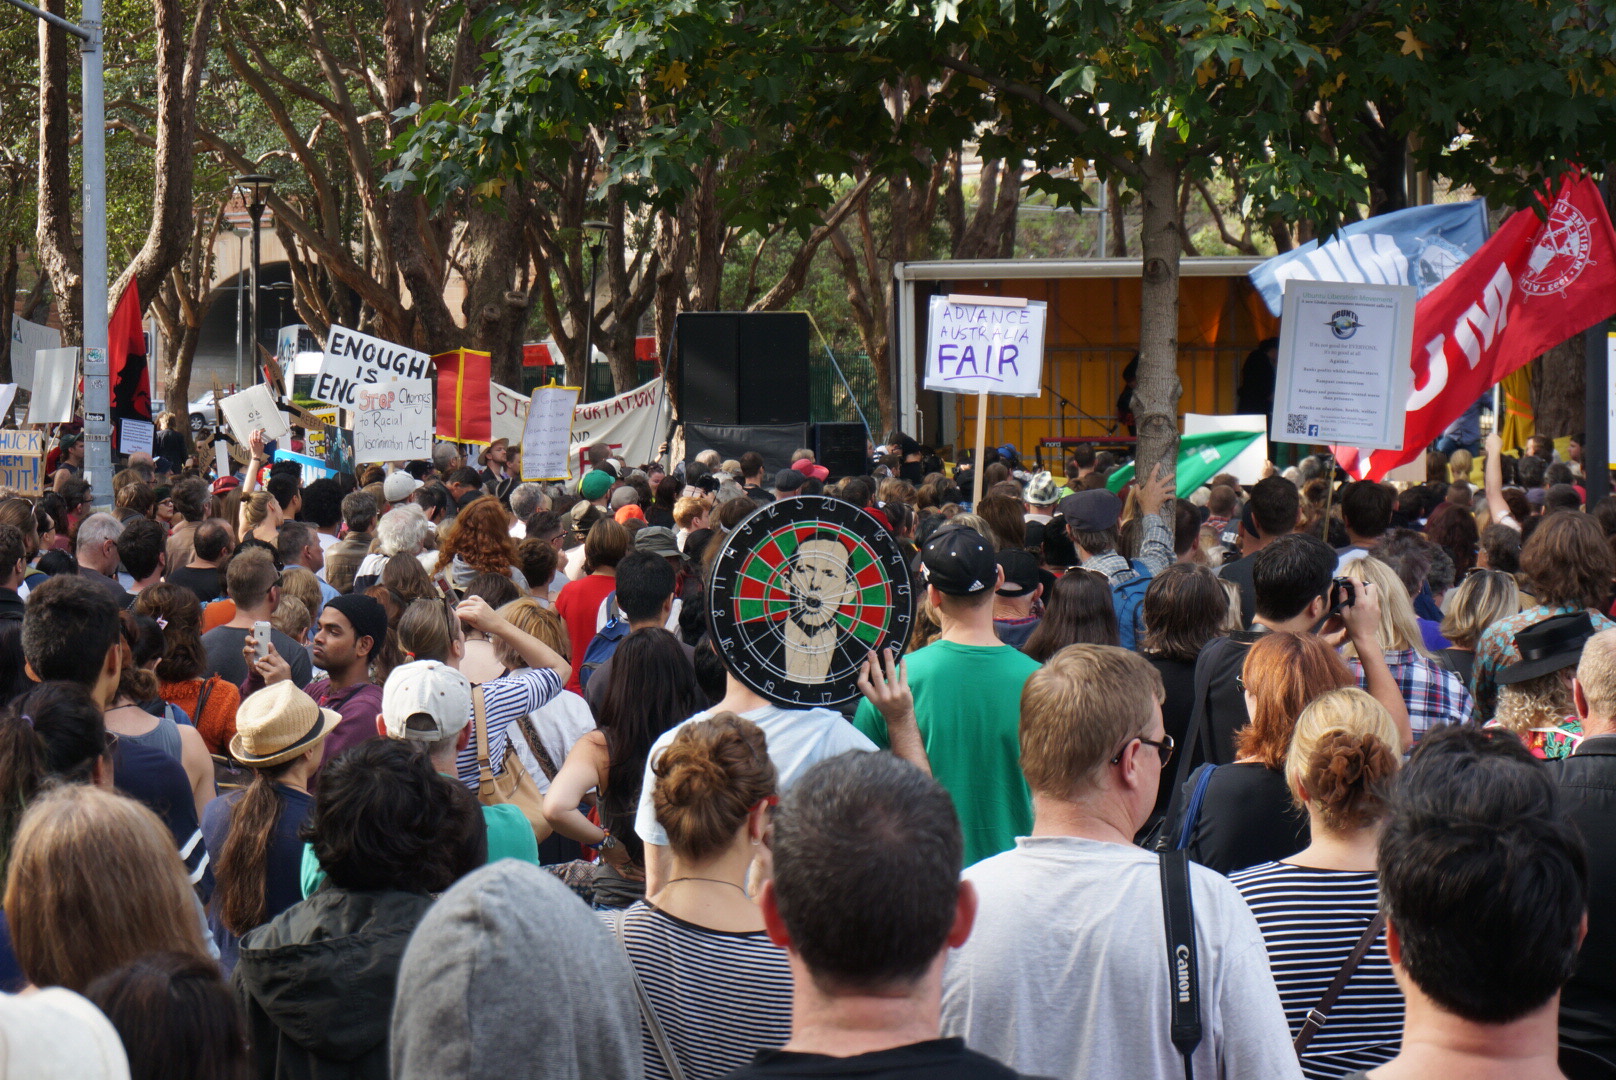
507, 413
22, 458
979, 344
354, 360
254, 408
548, 434
393, 421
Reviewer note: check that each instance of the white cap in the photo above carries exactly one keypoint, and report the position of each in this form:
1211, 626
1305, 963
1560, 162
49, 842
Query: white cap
426, 700
398, 486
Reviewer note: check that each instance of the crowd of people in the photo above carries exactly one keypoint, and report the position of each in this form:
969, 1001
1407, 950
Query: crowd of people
428, 772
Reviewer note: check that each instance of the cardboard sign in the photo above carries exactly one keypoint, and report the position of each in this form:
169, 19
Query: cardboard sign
353, 360
22, 460
983, 345
135, 436
56, 378
548, 435
254, 408
393, 421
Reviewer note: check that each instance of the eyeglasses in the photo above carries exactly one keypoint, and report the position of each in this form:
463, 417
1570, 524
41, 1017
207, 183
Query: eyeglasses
1240, 683
1164, 748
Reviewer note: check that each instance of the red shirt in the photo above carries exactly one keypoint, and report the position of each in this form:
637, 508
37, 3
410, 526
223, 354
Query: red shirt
578, 604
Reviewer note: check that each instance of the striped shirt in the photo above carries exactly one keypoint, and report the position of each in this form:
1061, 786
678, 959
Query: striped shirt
504, 700
720, 997
1310, 921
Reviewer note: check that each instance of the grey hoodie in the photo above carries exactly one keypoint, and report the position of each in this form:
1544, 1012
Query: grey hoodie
511, 976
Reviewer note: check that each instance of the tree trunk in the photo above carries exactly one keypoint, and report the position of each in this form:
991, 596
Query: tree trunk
1559, 385
496, 311
58, 251
8, 289
1155, 397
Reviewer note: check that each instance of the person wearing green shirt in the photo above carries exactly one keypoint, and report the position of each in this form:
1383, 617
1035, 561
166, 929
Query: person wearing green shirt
967, 696
429, 703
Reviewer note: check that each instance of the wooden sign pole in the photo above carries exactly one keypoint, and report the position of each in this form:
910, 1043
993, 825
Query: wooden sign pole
981, 448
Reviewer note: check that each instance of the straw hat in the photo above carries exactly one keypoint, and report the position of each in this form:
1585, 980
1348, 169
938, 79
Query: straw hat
277, 724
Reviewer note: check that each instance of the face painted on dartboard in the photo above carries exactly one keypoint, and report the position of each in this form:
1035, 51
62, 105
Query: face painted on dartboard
820, 580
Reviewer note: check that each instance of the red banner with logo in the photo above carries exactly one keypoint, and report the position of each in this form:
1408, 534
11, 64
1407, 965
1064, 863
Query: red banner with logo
465, 396
1534, 284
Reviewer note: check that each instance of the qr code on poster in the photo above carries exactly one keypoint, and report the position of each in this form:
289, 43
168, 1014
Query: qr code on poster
1296, 423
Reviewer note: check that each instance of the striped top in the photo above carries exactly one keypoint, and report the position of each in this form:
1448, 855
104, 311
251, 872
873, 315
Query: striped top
720, 997
1310, 921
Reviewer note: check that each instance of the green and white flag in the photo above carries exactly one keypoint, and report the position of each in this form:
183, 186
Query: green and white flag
1200, 458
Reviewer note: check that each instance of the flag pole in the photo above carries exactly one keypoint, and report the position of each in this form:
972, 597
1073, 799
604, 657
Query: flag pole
981, 448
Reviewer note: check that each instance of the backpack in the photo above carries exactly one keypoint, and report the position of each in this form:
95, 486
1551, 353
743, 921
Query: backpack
604, 643
1128, 597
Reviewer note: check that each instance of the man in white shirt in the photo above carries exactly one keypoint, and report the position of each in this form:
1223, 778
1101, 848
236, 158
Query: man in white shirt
1067, 973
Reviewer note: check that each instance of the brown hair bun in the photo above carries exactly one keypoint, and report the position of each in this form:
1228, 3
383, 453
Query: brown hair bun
708, 780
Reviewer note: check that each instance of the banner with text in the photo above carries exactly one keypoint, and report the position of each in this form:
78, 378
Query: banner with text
509, 411
22, 456
393, 421
353, 360
627, 424
976, 345
547, 440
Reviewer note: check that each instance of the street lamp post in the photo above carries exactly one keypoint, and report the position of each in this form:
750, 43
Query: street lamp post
97, 385
256, 185
598, 228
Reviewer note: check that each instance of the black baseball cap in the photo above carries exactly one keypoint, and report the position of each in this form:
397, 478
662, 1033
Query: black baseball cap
788, 480
959, 562
1020, 572
1095, 510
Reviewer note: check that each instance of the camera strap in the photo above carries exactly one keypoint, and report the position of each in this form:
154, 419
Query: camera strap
1183, 966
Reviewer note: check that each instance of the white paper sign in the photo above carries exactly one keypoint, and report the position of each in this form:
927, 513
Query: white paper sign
135, 436
254, 408
353, 360
547, 440
393, 421
8, 394
1343, 364
983, 347
221, 459
27, 339
508, 411
56, 377
630, 424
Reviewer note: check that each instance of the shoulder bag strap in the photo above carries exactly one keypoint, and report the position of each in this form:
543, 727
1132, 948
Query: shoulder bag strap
479, 724
1183, 974
1318, 1014
202, 700
647, 1013
1199, 718
1192, 809
547, 764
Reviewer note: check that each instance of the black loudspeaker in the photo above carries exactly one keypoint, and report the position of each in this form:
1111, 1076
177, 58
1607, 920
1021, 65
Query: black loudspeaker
840, 448
743, 368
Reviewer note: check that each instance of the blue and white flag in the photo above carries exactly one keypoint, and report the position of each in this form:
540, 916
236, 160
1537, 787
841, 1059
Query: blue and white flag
1419, 246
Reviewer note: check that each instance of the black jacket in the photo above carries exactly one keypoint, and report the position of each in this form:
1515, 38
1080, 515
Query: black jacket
316, 984
1588, 1003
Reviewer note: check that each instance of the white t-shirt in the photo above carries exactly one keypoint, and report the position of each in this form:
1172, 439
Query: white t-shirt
559, 723
797, 739
1066, 971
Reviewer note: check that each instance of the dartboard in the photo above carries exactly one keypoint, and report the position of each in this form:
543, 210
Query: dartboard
801, 592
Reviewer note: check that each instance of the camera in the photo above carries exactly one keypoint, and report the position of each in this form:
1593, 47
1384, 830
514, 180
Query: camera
1343, 594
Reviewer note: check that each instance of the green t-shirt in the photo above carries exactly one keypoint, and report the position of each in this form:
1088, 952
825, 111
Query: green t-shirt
509, 837
968, 708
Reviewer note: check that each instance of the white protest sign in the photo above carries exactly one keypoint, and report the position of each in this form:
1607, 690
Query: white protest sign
8, 394
353, 360
393, 421
135, 436
507, 412
547, 440
630, 425
985, 345
56, 378
1343, 368
27, 339
254, 408
221, 458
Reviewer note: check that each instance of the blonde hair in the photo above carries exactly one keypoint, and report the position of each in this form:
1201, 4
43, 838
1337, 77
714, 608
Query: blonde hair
531, 617
1078, 710
1234, 620
1536, 703
1482, 598
254, 510
686, 510
1399, 628
95, 883
979, 524
291, 617
1460, 462
1596, 673
1342, 757
299, 581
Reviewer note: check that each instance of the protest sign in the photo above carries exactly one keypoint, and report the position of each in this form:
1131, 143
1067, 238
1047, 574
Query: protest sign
312, 468
548, 435
353, 360
393, 421
985, 345
22, 458
1343, 369
56, 380
8, 394
221, 458
135, 436
509, 413
254, 408
27, 339
629, 425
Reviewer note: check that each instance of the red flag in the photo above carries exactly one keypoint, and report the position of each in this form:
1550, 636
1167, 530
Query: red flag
465, 398
126, 361
1534, 284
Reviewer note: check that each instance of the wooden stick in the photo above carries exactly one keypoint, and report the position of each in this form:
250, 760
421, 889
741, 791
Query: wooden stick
981, 448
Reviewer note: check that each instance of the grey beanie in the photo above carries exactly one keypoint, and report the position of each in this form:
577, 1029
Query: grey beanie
511, 975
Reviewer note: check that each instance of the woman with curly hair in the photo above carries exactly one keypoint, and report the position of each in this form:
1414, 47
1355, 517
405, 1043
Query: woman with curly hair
479, 542
211, 703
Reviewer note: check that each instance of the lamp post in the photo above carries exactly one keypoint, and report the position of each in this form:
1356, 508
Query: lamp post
598, 228
256, 185
97, 385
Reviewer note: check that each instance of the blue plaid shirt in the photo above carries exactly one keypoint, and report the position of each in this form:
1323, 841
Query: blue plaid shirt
1434, 695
